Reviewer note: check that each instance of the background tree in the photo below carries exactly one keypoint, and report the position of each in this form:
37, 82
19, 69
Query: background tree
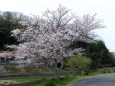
100, 55
8, 22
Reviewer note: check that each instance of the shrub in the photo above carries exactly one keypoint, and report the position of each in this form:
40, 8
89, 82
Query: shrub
51, 82
104, 71
78, 63
109, 71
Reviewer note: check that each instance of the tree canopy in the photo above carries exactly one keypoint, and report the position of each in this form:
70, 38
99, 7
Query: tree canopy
47, 38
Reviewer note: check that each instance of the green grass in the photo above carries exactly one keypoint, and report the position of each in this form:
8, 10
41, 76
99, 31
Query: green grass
104, 72
65, 81
19, 80
24, 80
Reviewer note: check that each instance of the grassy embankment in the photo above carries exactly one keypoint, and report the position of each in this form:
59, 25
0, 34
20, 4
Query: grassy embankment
63, 81
19, 81
66, 81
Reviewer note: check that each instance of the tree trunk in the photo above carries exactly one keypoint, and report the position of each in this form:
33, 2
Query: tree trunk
57, 70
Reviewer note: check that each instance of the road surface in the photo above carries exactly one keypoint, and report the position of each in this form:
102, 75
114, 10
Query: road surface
99, 80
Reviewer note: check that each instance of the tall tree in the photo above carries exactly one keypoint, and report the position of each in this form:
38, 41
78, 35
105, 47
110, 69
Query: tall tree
47, 39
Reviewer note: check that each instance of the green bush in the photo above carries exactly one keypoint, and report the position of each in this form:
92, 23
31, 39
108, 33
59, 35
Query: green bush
109, 71
104, 72
51, 82
78, 63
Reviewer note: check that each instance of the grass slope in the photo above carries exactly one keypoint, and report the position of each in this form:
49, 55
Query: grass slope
66, 81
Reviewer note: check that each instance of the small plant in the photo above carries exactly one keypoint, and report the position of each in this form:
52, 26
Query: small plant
4, 83
11, 83
51, 82
109, 71
104, 71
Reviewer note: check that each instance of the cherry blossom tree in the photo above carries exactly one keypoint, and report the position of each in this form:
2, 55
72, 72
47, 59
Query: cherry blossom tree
46, 39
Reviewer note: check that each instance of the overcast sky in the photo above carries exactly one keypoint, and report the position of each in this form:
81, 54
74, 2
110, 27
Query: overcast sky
104, 8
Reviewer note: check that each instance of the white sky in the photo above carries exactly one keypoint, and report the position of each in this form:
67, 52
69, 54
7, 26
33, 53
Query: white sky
104, 8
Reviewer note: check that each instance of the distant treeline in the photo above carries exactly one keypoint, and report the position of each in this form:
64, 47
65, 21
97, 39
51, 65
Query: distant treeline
8, 22
98, 53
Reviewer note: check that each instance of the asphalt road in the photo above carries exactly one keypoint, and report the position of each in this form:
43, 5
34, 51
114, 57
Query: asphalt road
99, 80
